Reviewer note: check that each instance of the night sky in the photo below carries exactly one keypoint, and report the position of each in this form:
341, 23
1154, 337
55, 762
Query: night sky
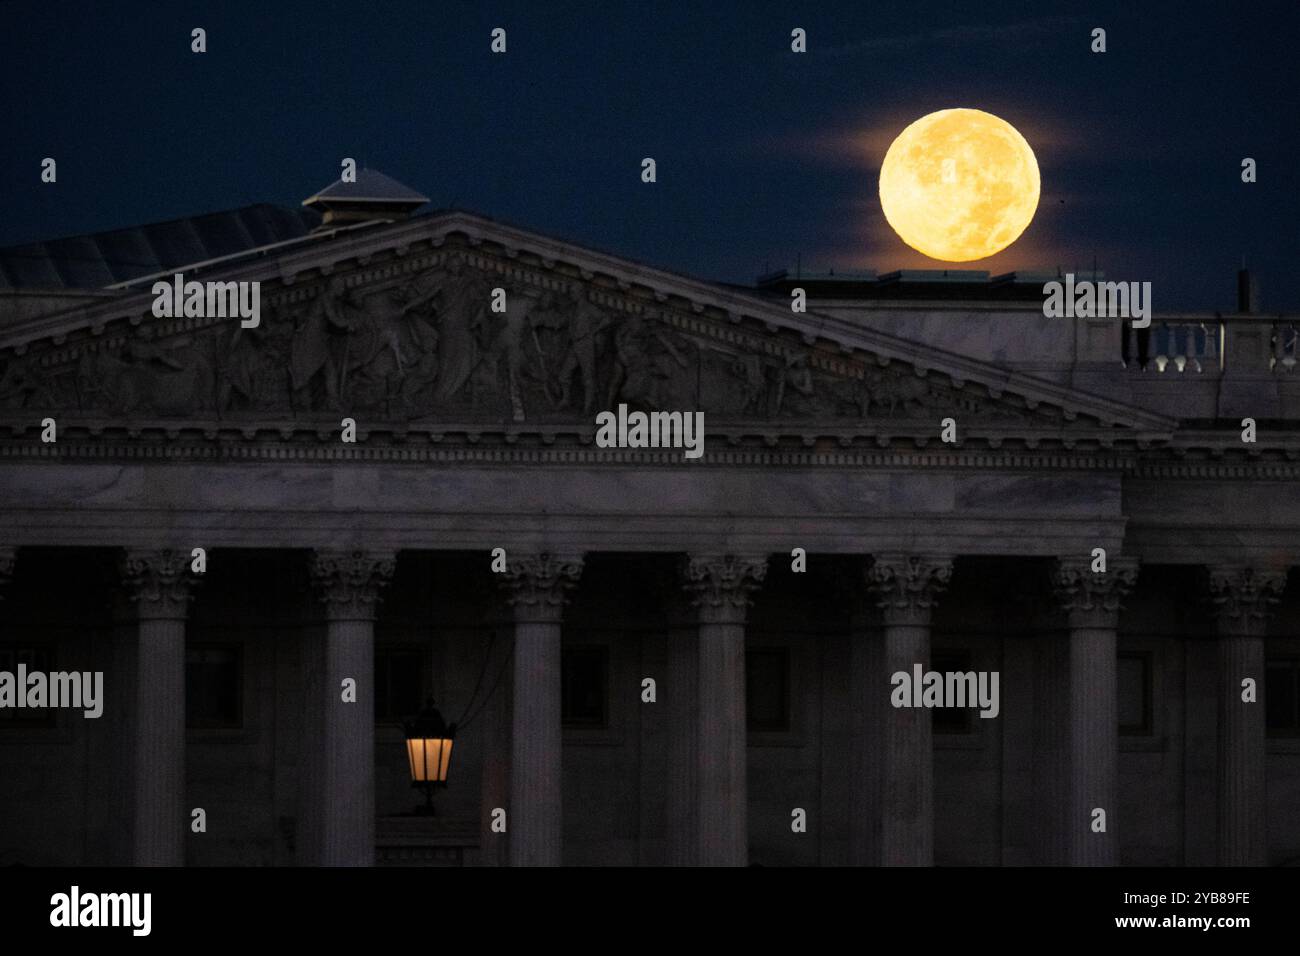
764, 155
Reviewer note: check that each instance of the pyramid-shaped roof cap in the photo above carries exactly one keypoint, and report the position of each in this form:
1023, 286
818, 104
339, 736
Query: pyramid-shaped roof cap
371, 186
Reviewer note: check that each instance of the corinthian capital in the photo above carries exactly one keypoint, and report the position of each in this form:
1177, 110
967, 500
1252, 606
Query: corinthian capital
1093, 598
1243, 597
349, 583
719, 585
159, 583
537, 585
906, 587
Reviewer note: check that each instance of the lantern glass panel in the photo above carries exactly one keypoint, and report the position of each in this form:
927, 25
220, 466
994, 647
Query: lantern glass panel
430, 758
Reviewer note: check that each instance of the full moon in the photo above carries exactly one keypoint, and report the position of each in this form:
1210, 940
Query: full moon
959, 185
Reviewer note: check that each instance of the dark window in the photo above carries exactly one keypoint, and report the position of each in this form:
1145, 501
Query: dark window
767, 688
952, 720
214, 687
584, 687
1282, 696
35, 658
399, 682
1134, 704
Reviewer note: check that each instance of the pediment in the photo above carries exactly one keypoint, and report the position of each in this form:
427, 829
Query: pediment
396, 325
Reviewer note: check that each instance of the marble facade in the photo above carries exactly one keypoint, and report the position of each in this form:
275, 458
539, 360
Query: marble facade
475, 432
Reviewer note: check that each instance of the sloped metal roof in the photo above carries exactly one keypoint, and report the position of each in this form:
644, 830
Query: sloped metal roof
106, 258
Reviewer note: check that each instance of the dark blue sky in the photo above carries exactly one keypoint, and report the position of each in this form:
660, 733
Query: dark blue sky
763, 155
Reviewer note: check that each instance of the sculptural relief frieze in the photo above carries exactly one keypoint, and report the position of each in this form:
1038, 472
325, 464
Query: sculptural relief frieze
428, 345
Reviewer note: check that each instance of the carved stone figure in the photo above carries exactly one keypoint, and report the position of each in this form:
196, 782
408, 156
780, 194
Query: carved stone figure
766, 387
145, 376
350, 347
320, 345
645, 361
751, 371
252, 365
850, 396
420, 342
21, 385
583, 326
459, 299
879, 392
795, 390
894, 392
391, 352
508, 350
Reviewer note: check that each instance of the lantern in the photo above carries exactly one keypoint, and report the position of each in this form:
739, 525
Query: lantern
428, 748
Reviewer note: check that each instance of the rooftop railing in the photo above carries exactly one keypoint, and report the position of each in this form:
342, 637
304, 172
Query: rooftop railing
1200, 344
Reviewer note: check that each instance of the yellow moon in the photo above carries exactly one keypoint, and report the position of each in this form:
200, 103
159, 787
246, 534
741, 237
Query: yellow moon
959, 185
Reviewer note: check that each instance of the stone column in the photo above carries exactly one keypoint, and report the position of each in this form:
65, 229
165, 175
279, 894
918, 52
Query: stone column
1243, 600
720, 586
494, 847
906, 588
537, 587
1051, 742
1092, 604
868, 691
348, 583
160, 587
683, 694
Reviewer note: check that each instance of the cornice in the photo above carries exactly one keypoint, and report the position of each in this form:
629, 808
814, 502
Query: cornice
792, 445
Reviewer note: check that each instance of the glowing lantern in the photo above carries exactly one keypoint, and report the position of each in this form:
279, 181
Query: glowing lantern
428, 748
